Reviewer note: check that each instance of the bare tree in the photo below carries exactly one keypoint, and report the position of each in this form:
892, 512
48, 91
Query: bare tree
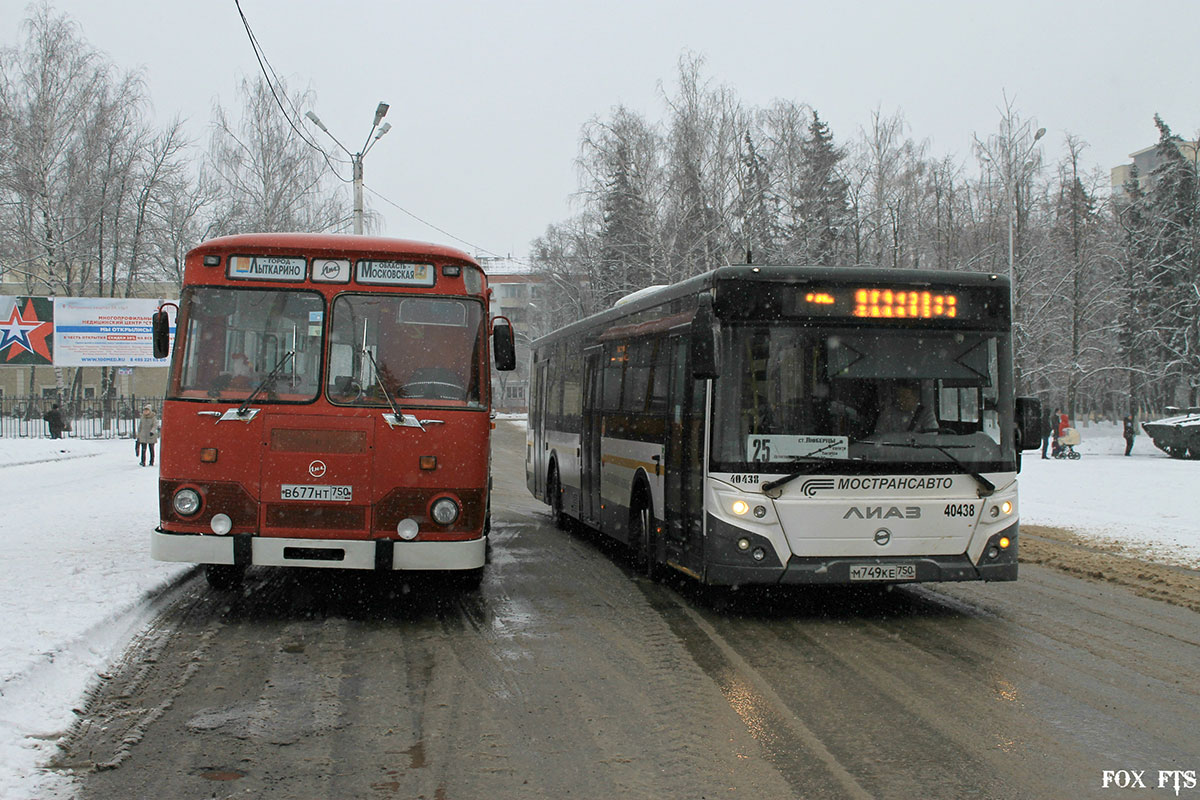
262, 175
68, 123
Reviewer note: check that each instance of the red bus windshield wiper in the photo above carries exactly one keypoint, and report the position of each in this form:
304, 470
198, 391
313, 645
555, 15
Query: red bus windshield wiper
395, 405
274, 373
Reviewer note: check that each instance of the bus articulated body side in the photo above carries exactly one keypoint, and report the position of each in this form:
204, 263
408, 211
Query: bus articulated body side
328, 406
791, 425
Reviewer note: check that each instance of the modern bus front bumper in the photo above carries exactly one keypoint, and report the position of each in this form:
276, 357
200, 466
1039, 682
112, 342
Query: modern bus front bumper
727, 565
375, 554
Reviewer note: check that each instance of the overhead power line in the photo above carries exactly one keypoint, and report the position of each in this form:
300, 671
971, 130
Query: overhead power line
272, 78
442, 231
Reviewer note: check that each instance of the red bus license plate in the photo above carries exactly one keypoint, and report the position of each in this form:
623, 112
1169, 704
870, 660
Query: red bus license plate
310, 491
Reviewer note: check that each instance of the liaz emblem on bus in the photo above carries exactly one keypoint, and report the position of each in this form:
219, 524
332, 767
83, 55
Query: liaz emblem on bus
263, 268
395, 273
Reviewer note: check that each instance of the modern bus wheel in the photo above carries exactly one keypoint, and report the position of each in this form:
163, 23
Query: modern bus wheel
642, 544
554, 489
224, 577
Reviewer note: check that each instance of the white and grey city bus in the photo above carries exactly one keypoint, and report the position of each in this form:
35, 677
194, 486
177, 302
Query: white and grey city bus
791, 425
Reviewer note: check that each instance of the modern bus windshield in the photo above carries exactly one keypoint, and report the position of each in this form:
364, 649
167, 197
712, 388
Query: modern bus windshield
864, 399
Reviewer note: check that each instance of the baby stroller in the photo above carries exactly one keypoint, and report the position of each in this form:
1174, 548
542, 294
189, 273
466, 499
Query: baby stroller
1065, 444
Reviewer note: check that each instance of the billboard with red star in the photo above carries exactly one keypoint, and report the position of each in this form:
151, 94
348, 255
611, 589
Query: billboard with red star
26, 331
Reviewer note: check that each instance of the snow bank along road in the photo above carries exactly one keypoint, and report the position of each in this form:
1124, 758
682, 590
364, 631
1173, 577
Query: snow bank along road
568, 676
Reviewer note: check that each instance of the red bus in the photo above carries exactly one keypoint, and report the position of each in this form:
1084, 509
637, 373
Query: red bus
328, 406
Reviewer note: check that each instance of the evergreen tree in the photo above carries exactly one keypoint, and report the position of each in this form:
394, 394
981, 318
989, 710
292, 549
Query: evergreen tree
822, 196
1133, 314
758, 208
1173, 264
626, 231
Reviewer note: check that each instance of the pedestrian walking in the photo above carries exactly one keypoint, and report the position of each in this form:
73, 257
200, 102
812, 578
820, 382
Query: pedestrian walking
54, 420
1130, 432
1047, 431
147, 435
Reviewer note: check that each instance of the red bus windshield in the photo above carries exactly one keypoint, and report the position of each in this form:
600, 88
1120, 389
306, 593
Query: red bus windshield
235, 338
420, 350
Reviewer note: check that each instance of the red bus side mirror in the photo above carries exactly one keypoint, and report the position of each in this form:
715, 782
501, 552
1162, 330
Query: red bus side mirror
504, 348
160, 327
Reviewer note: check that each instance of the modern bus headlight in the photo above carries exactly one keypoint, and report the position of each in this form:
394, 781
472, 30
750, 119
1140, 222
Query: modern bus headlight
1004, 508
444, 511
740, 507
186, 502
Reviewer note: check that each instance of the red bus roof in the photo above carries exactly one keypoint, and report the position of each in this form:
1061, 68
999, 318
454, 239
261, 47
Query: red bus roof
325, 244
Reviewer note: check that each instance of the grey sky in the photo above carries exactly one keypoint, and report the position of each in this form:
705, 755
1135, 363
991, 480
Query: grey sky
487, 98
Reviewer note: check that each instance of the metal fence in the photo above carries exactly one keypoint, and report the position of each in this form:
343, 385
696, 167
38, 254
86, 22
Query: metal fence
89, 418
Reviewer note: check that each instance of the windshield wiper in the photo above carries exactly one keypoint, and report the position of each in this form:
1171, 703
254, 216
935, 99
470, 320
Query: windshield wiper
383, 386
245, 406
817, 460
986, 486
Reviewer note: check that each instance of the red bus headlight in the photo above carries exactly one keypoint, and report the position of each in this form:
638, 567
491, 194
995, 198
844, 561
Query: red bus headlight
186, 502
444, 511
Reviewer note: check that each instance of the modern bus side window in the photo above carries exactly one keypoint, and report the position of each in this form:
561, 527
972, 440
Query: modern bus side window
614, 369
554, 395
572, 395
637, 377
661, 378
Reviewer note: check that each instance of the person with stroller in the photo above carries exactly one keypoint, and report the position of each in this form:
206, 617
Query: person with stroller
1065, 437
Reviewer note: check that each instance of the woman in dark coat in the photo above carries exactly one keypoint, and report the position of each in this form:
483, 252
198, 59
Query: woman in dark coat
54, 419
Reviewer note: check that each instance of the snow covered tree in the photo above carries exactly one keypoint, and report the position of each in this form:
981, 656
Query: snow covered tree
820, 198
757, 206
266, 176
619, 160
1164, 240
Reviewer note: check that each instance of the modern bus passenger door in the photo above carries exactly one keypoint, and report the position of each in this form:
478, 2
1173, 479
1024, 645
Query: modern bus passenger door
538, 428
589, 502
683, 484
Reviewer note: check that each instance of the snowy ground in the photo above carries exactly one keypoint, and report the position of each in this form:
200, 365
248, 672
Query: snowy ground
78, 578
1148, 503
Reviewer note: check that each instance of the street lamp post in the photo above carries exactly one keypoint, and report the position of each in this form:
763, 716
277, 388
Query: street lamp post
1012, 197
376, 133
